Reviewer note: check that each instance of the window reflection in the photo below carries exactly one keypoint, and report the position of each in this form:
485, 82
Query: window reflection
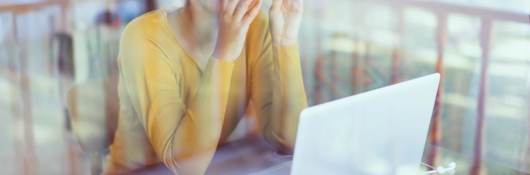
58, 76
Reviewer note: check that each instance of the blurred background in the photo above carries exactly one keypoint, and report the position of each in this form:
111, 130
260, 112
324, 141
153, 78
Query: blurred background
55, 54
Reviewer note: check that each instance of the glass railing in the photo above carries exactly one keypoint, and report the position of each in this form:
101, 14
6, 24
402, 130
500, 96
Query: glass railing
481, 119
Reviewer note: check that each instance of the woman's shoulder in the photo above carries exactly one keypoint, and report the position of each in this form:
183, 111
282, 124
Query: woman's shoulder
148, 23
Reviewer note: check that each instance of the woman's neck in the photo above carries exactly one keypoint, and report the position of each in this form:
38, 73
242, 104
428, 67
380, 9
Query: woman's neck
195, 29
201, 21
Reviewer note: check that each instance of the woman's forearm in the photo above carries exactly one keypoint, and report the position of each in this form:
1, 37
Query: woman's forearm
201, 129
291, 96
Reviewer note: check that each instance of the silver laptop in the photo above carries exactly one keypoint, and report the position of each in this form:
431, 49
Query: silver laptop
380, 132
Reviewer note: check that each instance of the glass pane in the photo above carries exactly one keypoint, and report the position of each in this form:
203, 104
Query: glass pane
508, 99
59, 104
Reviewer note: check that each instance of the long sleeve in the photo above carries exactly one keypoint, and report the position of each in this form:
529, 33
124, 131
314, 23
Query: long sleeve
278, 91
182, 132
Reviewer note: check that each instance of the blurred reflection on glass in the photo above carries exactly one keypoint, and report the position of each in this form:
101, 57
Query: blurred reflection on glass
58, 78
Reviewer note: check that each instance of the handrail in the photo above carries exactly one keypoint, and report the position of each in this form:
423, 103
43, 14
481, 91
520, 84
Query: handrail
443, 7
26, 7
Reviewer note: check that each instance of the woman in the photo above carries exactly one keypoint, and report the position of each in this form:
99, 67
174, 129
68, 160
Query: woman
187, 76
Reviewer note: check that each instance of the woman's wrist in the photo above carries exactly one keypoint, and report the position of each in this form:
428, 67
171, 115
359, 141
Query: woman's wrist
284, 41
221, 53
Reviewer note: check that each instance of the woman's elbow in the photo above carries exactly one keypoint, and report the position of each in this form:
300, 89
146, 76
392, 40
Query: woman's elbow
280, 144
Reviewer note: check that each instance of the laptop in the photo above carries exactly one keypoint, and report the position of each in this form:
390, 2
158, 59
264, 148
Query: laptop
380, 132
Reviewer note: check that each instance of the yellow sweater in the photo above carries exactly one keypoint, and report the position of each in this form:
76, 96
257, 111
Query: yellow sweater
173, 112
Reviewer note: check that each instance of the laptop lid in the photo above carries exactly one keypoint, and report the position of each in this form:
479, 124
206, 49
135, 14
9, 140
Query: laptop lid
378, 132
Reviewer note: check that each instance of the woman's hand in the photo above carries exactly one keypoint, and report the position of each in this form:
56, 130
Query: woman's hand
235, 17
285, 19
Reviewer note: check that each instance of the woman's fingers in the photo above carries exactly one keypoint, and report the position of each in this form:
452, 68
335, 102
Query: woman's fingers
253, 12
241, 9
230, 6
234, 23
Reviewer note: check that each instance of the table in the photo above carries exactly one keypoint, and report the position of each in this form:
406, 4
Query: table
246, 156
241, 157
